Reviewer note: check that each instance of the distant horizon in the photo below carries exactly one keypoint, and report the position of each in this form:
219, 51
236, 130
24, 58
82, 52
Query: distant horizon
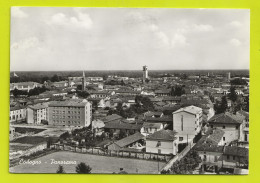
135, 70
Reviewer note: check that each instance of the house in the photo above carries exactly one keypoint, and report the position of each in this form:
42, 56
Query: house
112, 117
162, 142
187, 122
171, 100
132, 142
129, 127
235, 157
155, 114
127, 92
150, 128
216, 156
17, 114
97, 127
162, 93
244, 137
100, 94
100, 102
38, 113
230, 124
94, 78
60, 84
25, 86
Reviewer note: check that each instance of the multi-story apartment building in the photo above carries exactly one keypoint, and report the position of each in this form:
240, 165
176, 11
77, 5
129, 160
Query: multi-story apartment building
70, 113
187, 122
17, 114
37, 113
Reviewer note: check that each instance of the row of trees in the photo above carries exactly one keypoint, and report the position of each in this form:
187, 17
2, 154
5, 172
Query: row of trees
81, 168
32, 92
37, 78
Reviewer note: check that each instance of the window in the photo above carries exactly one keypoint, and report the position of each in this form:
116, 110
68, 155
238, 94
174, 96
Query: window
224, 138
227, 157
234, 157
180, 138
223, 127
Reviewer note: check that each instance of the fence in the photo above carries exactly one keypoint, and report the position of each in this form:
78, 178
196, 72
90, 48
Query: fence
113, 153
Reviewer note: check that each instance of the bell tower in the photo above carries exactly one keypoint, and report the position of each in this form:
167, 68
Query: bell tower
83, 81
145, 73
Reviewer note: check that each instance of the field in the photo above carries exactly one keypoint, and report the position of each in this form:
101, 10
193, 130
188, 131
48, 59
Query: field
99, 164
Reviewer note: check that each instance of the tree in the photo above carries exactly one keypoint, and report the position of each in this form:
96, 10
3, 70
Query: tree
233, 95
221, 107
238, 81
55, 78
83, 94
82, 168
17, 92
65, 135
60, 169
177, 90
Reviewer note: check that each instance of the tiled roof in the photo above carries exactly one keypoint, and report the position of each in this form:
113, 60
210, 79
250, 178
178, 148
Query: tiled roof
17, 108
39, 106
244, 113
161, 119
151, 125
225, 118
209, 142
118, 124
171, 98
112, 118
163, 135
236, 151
129, 140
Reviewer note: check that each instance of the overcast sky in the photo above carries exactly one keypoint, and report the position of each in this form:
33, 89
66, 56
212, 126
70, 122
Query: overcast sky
48, 38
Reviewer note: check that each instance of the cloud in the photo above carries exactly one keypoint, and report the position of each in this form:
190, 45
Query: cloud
18, 13
236, 23
202, 27
138, 17
27, 43
81, 20
178, 39
235, 42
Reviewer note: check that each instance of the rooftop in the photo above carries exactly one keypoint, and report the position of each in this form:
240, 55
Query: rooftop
39, 106
190, 109
67, 103
129, 140
225, 118
163, 135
